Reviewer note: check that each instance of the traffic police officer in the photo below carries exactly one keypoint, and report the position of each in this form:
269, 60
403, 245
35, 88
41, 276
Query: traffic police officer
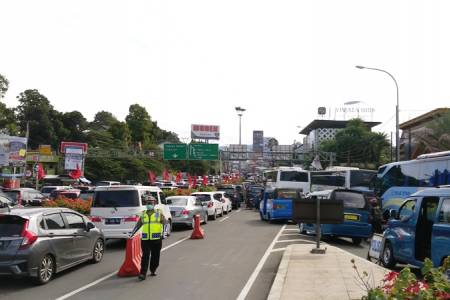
152, 222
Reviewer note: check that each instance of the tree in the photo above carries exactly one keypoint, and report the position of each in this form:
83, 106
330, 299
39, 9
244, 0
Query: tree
7, 120
75, 124
120, 133
35, 109
4, 85
436, 135
140, 125
103, 120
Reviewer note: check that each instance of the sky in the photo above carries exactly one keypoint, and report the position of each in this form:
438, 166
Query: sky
192, 62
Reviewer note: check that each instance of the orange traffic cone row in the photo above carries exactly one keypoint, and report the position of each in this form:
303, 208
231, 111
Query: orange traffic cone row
133, 254
197, 233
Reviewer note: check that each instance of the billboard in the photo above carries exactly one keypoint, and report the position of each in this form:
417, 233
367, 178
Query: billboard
206, 132
73, 155
238, 152
13, 150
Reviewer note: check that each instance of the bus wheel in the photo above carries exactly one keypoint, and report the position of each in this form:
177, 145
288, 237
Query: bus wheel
387, 257
356, 241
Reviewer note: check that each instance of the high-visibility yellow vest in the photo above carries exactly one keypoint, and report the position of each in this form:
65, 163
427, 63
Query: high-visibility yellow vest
152, 228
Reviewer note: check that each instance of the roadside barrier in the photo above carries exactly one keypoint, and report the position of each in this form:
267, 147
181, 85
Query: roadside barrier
132, 264
197, 233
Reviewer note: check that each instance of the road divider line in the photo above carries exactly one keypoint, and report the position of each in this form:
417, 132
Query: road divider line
224, 219
277, 250
290, 234
295, 240
110, 275
258, 268
291, 229
230, 214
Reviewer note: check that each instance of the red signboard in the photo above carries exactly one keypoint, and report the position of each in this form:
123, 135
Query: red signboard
65, 145
200, 131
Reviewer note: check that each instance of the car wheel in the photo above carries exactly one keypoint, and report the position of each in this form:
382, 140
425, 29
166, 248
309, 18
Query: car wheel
221, 212
192, 225
356, 241
214, 217
45, 270
205, 218
99, 250
387, 257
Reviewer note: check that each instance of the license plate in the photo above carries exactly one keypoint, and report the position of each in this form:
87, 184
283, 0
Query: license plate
350, 217
112, 221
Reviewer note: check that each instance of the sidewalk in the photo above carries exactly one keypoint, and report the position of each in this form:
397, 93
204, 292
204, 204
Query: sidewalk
302, 275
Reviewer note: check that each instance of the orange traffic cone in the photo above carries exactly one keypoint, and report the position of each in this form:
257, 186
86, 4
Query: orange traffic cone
197, 233
133, 254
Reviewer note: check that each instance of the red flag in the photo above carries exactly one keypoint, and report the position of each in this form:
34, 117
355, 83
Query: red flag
75, 174
40, 172
178, 179
166, 175
205, 180
151, 177
189, 180
195, 182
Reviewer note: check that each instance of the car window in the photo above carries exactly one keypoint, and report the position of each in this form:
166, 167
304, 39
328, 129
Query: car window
74, 221
54, 221
179, 201
11, 225
118, 198
202, 197
407, 209
351, 200
218, 196
444, 213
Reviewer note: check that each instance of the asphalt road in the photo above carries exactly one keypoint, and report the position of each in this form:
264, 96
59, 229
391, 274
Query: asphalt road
238, 259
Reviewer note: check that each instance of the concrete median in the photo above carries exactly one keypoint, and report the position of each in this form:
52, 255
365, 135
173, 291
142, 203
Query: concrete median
302, 275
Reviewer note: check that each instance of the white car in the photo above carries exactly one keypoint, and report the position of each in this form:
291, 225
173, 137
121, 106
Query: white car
116, 209
214, 206
48, 189
226, 202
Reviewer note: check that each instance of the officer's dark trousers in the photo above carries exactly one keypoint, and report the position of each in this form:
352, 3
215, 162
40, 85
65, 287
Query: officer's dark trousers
153, 248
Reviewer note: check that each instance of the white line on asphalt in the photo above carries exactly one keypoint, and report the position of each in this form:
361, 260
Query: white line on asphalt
277, 250
110, 275
258, 268
290, 234
295, 240
229, 215
291, 229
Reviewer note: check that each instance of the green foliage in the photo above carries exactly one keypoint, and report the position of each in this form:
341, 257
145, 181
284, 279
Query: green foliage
74, 123
140, 125
7, 120
436, 135
4, 85
357, 144
103, 120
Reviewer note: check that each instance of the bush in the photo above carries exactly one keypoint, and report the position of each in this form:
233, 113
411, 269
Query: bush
79, 205
405, 285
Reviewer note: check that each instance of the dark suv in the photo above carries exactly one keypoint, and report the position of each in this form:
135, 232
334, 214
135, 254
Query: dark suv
40, 242
232, 193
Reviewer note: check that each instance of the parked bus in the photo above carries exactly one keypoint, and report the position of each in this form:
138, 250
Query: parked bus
342, 177
289, 178
397, 181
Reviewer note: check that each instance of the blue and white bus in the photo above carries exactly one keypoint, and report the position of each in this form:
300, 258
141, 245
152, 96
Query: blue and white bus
342, 177
397, 181
289, 178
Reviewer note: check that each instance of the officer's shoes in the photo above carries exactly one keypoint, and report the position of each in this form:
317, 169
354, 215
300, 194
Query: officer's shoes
153, 274
142, 277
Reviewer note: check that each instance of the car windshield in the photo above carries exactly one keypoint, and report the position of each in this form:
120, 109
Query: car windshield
128, 198
286, 194
351, 200
202, 197
47, 190
178, 201
14, 195
229, 191
11, 225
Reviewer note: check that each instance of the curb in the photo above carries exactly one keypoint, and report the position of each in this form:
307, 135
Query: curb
277, 286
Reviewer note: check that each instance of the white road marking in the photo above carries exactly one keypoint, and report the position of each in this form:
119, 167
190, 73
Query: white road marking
277, 250
291, 229
295, 240
290, 234
230, 214
110, 275
258, 268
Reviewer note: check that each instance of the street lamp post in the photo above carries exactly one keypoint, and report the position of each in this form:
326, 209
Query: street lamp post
240, 112
397, 127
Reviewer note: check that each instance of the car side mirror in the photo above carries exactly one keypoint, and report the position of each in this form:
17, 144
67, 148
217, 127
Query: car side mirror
89, 226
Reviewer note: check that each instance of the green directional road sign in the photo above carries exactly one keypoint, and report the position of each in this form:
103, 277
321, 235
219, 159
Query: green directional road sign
204, 151
175, 151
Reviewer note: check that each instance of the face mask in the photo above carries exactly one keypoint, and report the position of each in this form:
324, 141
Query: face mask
150, 206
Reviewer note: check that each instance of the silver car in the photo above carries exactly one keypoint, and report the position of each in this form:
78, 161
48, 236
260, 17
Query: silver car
40, 242
184, 208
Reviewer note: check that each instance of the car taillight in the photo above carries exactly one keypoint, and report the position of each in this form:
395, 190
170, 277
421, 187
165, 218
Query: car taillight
131, 219
28, 237
96, 219
185, 212
210, 204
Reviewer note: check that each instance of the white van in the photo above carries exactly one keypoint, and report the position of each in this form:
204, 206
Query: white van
288, 178
116, 209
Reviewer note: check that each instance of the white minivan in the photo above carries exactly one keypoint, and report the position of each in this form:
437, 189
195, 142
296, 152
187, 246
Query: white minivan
116, 209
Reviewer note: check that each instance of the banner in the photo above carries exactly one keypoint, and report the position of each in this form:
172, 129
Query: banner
13, 150
208, 132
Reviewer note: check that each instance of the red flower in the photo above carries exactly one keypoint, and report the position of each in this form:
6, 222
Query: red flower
390, 276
